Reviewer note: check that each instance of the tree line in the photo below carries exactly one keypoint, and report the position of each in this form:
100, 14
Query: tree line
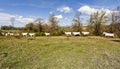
97, 24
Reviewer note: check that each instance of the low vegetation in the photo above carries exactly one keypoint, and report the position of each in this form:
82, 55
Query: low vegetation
60, 52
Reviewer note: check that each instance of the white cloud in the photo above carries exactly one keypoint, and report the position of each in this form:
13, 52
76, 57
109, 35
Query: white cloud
59, 16
65, 9
51, 12
88, 10
6, 17
24, 19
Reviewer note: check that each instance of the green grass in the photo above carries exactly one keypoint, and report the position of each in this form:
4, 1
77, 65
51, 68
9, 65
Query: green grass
60, 53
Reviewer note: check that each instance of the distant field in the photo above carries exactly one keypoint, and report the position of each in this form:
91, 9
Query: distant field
11, 31
60, 53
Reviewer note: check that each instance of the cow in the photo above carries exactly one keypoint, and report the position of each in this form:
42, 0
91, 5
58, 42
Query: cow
85, 33
47, 34
68, 33
108, 34
76, 33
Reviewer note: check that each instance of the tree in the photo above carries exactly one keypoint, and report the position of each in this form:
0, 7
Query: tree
7, 27
53, 23
29, 27
38, 25
96, 22
118, 22
112, 27
12, 21
91, 24
76, 23
46, 28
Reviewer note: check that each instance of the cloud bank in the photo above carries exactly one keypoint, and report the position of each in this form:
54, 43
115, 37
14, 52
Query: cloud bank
6, 17
89, 10
65, 9
59, 16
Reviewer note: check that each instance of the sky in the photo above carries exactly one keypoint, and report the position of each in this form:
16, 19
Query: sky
25, 11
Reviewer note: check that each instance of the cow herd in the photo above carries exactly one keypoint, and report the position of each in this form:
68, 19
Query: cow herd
76, 33
18, 34
48, 34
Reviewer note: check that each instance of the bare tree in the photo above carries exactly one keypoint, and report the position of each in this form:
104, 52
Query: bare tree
53, 23
12, 21
76, 23
46, 28
118, 22
96, 21
112, 27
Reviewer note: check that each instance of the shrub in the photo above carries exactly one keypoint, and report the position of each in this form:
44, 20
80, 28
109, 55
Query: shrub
0, 32
57, 33
40, 33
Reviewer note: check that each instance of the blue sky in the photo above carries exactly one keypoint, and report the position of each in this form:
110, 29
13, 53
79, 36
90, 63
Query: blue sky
25, 11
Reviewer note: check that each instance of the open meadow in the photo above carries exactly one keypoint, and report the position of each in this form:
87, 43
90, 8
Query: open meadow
60, 52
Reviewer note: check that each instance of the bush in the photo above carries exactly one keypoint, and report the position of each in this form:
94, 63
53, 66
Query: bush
40, 34
118, 34
0, 32
57, 33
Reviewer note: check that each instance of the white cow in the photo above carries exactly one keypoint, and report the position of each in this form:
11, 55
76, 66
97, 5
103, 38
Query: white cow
6, 34
68, 33
108, 34
85, 33
76, 33
32, 34
47, 34
3, 34
9, 34
17, 34
25, 34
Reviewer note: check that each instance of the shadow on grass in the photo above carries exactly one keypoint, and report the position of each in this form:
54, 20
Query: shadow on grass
116, 40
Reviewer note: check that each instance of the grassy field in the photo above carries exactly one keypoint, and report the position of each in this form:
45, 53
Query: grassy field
60, 53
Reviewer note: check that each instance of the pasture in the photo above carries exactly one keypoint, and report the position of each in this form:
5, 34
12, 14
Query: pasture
60, 52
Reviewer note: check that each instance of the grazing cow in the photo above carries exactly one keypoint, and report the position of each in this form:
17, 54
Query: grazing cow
47, 34
17, 34
108, 34
9, 34
3, 33
68, 33
25, 34
85, 33
76, 33
6, 34
32, 34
